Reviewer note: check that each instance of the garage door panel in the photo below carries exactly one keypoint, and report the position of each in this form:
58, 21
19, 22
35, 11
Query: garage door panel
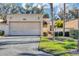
26, 28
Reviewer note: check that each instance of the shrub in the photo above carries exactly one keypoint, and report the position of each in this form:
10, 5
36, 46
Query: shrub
45, 34
59, 23
67, 34
71, 40
1, 33
58, 33
74, 34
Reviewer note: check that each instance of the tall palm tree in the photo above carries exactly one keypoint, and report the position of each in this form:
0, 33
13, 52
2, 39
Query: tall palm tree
52, 14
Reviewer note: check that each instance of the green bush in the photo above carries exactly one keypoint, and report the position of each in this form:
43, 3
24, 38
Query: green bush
71, 40
74, 34
46, 16
1, 33
59, 23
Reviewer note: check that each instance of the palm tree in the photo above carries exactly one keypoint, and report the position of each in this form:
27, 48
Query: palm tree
51, 9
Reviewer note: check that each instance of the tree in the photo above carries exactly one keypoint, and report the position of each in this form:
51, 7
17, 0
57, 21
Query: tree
51, 9
37, 9
78, 30
46, 16
74, 13
62, 14
7, 9
28, 8
10, 8
59, 23
64, 19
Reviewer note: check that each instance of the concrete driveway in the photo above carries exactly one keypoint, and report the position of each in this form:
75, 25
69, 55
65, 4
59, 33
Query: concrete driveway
20, 46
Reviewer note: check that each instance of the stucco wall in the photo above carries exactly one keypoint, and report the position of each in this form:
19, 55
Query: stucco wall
19, 18
24, 17
72, 24
46, 29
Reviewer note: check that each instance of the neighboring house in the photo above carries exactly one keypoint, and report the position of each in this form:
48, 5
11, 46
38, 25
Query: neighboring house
72, 24
23, 24
69, 25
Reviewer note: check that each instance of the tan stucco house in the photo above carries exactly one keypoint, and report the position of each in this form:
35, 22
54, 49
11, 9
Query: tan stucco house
72, 24
23, 24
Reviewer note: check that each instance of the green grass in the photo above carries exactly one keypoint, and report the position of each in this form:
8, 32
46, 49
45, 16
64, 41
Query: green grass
57, 47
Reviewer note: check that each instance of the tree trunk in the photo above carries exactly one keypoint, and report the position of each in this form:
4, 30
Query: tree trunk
78, 31
64, 18
52, 20
78, 45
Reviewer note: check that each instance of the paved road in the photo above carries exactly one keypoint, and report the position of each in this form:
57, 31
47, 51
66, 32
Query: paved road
20, 46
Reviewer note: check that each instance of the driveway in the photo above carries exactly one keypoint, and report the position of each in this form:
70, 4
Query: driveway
20, 46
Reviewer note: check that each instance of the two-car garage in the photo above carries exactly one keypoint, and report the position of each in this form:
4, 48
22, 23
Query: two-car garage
25, 28
24, 24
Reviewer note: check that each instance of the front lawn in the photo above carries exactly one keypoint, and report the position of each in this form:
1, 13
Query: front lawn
57, 47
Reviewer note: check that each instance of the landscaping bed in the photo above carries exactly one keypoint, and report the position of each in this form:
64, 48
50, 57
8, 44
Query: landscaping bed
57, 47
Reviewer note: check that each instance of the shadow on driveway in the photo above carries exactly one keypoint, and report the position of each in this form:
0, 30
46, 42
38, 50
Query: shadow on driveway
17, 42
31, 54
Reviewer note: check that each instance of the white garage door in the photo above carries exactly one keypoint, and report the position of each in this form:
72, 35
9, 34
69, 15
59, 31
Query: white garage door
25, 28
